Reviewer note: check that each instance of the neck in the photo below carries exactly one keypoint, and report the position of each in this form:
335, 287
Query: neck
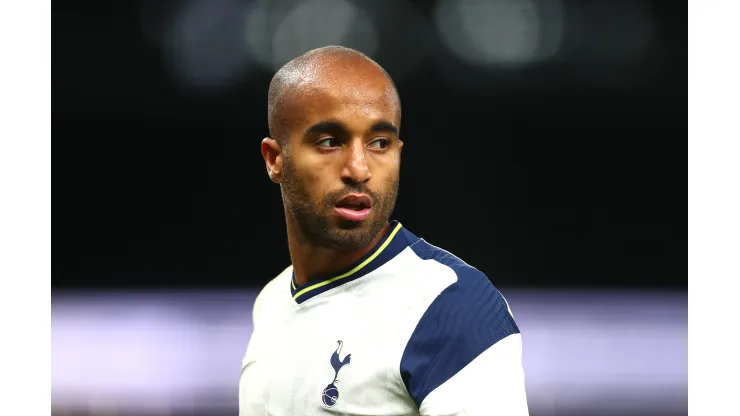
310, 261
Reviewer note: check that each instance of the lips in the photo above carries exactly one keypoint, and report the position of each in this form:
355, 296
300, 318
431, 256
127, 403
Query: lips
354, 207
355, 201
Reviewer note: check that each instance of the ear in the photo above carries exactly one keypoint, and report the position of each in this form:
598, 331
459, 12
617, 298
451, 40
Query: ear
272, 153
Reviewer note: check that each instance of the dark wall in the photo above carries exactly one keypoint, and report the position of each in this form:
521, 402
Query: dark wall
540, 176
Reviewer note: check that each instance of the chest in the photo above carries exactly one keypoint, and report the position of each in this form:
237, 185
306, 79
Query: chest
320, 363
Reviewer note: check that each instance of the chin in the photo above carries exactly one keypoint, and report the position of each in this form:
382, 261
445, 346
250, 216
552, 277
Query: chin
352, 235
344, 224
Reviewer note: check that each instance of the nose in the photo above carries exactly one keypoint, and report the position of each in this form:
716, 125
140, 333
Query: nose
355, 169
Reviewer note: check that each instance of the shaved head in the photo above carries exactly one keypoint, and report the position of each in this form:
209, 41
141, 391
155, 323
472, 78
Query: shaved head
334, 117
330, 67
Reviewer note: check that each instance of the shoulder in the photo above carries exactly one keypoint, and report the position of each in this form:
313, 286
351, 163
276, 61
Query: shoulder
465, 319
468, 291
272, 290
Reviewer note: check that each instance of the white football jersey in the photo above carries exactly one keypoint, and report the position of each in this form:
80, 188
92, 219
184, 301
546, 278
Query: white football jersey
410, 329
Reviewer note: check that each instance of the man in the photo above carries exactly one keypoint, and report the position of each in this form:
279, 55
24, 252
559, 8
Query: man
369, 319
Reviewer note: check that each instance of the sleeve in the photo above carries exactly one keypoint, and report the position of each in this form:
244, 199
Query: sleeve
256, 314
245, 403
465, 354
257, 307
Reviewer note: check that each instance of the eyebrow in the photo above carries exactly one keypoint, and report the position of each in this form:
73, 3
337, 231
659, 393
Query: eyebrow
329, 127
336, 127
384, 127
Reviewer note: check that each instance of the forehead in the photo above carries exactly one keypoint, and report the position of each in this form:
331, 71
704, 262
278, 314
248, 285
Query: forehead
356, 98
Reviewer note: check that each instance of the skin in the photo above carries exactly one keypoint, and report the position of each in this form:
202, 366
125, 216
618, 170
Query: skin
339, 115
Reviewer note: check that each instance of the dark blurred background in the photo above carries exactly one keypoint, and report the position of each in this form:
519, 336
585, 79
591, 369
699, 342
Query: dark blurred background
541, 143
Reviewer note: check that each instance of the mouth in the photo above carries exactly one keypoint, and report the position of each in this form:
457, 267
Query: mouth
354, 207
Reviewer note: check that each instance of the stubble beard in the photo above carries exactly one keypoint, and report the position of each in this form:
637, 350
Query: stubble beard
316, 219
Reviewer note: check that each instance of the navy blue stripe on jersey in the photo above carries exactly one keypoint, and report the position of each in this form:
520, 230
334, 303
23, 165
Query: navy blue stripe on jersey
379, 255
465, 319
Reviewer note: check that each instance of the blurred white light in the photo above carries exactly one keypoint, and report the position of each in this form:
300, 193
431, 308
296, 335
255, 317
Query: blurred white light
204, 43
500, 32
309, 24
553, 26
261, 20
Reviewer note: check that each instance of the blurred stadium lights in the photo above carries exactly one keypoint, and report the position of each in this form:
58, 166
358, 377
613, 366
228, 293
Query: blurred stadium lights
501, 33
213, 44
306, 25
204, 44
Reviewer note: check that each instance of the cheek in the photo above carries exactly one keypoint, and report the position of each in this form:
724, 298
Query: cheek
321, 170
315, 180
387, 168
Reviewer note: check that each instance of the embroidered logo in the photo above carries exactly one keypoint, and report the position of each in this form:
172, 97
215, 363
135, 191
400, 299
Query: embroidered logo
330, 395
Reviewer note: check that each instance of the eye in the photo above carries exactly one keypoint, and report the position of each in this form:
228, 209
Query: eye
380, 144
328, 142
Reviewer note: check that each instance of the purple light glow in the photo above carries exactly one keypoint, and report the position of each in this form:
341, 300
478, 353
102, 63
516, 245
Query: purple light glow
182, 351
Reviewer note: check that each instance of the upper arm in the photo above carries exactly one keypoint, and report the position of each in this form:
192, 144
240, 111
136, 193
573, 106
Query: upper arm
257, 306
464, 356
271, 287
257, 310
491, 384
